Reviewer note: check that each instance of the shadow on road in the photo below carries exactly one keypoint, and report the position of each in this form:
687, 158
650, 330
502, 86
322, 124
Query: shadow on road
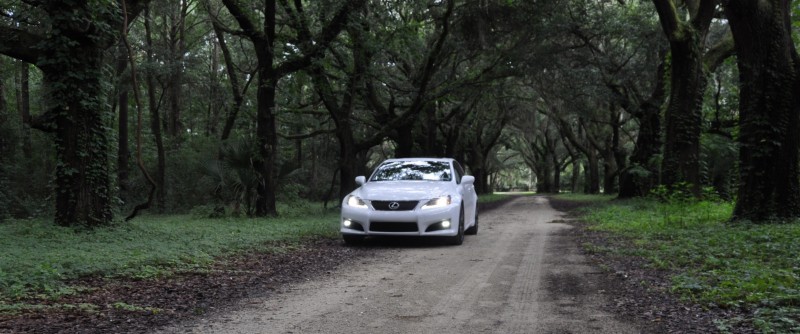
401, 242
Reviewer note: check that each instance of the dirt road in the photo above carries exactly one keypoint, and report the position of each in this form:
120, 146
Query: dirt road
522, 273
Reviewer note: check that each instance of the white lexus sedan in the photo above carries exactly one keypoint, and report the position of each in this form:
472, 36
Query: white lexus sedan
412, 197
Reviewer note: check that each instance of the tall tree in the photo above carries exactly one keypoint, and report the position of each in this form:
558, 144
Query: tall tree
620, 42
769, 105
642, 176
123, 149
688, 79
271, 70
175, 15
487, 123
23, 94
391, 119
5, 150
68, 46
154, 106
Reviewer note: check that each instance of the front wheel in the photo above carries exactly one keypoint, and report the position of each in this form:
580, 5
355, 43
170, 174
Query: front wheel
459, 237
473, 230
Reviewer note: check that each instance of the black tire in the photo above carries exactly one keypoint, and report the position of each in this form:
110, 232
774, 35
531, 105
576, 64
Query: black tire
458, 239
351, 239
473, 230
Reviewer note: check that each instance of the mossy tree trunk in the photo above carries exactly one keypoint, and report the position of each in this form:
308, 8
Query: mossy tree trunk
70, 55
683, 117
82, 145
769, 107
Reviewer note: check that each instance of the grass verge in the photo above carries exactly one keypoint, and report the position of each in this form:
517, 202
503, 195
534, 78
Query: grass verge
38, 257
730, 265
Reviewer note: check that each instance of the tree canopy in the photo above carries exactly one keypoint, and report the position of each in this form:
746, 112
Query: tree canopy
236, 105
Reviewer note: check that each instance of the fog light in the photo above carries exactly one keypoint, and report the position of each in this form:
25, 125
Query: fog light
347, 223
446, 224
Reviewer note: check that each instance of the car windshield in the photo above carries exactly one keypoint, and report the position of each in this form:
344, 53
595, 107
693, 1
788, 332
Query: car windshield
413, 170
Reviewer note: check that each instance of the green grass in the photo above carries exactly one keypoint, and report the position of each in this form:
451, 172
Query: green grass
714, 262
37, 257
585, 197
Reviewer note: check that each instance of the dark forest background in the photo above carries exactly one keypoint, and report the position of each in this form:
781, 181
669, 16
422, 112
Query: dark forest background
108, 107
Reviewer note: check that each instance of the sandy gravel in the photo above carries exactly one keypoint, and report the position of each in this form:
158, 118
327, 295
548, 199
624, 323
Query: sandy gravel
522, 273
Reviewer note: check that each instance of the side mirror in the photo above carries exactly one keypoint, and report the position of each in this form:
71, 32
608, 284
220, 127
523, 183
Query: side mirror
467, 179
361, 180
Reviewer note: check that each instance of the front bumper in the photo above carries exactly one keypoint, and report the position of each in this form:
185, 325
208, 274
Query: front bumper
417, 222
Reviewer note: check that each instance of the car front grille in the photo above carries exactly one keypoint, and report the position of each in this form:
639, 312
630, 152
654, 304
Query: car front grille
394, 205
393, 227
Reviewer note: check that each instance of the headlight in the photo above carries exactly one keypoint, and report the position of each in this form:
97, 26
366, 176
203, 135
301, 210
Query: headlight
438, 202
356, 202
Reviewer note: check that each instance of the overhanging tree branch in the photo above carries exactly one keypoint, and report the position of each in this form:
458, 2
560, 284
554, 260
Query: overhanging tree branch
327, 35
717, 54
308, 135
20, 44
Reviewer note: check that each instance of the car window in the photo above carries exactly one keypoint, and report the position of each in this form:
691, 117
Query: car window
413, 170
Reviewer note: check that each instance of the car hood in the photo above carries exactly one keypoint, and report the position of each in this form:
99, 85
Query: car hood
404, 190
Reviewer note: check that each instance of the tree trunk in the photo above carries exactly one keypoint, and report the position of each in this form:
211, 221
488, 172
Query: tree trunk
267, 79
544, 175
70, 55
266, 137
177, 51
215, 99
556, 187
266, 131
155, 120
24, 106
642, 175
769, 108
481, 180
617, 153
609, 171
123, 150
576, 175
593, 173
3, 109
82, 176
683, 117
348, 164
73, 68
6, 153
432, 148
404, 139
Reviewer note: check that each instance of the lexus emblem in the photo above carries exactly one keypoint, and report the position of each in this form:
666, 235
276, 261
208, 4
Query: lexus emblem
394, 205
